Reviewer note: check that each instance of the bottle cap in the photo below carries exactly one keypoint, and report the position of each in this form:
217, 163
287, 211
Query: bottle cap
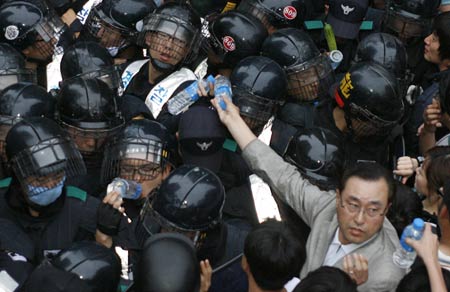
336, 56
210, 79
418, 224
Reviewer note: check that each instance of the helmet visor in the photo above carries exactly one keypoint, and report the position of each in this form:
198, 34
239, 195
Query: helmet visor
406, 27
366, 124
13, 76
310, 80
107, 35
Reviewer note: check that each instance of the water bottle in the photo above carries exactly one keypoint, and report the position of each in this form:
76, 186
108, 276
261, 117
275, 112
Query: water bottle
336, 58
405, 255
127, 189
187, 96
222, 89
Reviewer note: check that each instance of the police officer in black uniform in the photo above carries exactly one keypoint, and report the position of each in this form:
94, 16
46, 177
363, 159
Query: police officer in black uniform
144, 152
190, 202
114, 25
37, 198
89, 113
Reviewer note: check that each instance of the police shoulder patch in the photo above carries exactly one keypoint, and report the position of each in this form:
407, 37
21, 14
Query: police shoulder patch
74, 192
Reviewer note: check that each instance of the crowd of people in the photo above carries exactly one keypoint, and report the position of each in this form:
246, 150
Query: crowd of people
123, 167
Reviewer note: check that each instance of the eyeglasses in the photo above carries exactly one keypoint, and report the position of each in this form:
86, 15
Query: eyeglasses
147, 171
354, 209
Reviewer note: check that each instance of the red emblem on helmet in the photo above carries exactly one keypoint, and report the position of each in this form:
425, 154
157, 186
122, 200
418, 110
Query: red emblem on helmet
228, 43
289, 12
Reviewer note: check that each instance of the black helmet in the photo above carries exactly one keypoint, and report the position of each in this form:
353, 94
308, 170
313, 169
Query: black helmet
95, 264
12, 67
275, 13
89, 60
173, 30
189, 200
168, 263
410, 18
39, 151
23, 100
144, 143
206, 8
319, 155
368, 94
23, 23
87, 109
235, 35
259, 86
113, 23
388, 51
309, 73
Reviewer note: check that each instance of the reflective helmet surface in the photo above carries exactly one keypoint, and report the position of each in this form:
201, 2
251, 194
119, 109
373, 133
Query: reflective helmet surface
410, 18
318, 153
172, 30
25, 23
12, 67
368, 94
89, 60
309, 73
115, 22
190, 199
38, 150
275, 13
140, 142
259, 86
235, 35
180, 271
95, 264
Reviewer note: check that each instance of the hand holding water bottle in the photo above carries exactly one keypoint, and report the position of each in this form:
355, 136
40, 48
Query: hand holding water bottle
427, 247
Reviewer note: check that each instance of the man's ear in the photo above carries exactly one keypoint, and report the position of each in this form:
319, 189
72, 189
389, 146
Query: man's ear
443, 213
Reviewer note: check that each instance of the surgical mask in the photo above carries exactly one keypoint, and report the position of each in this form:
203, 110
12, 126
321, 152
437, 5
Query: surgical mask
44, 196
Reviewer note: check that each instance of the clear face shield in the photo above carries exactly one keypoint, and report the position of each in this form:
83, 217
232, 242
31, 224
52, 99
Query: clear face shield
310, 80
48, 34
107, 35
45, 165
365, 124
13, 76
169, 40
110, 76
406, 27
255, 110
258, 10
134, 159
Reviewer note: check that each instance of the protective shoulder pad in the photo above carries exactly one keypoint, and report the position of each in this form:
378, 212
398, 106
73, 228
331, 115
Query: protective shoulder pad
4, 183
74, 192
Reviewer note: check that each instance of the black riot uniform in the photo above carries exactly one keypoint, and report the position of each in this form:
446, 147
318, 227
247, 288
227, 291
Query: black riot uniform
36, 198
190, 201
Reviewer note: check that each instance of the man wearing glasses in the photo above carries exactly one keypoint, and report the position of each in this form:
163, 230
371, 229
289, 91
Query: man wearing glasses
348, 226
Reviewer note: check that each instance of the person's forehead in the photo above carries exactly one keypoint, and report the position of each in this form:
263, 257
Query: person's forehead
366, 191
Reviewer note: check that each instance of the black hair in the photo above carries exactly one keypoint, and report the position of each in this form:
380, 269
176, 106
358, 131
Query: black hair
441, 27
274, 255
326, 279
417, 280
405, 207
369, 171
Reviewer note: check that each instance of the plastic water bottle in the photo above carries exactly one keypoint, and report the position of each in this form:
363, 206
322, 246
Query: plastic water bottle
127, 189
187, 96
222, 89
405, 255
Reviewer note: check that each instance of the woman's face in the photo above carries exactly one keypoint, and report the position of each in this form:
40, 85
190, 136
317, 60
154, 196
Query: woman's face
421, 183
431, 52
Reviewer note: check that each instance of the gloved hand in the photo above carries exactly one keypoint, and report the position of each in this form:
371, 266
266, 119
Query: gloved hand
109, 214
